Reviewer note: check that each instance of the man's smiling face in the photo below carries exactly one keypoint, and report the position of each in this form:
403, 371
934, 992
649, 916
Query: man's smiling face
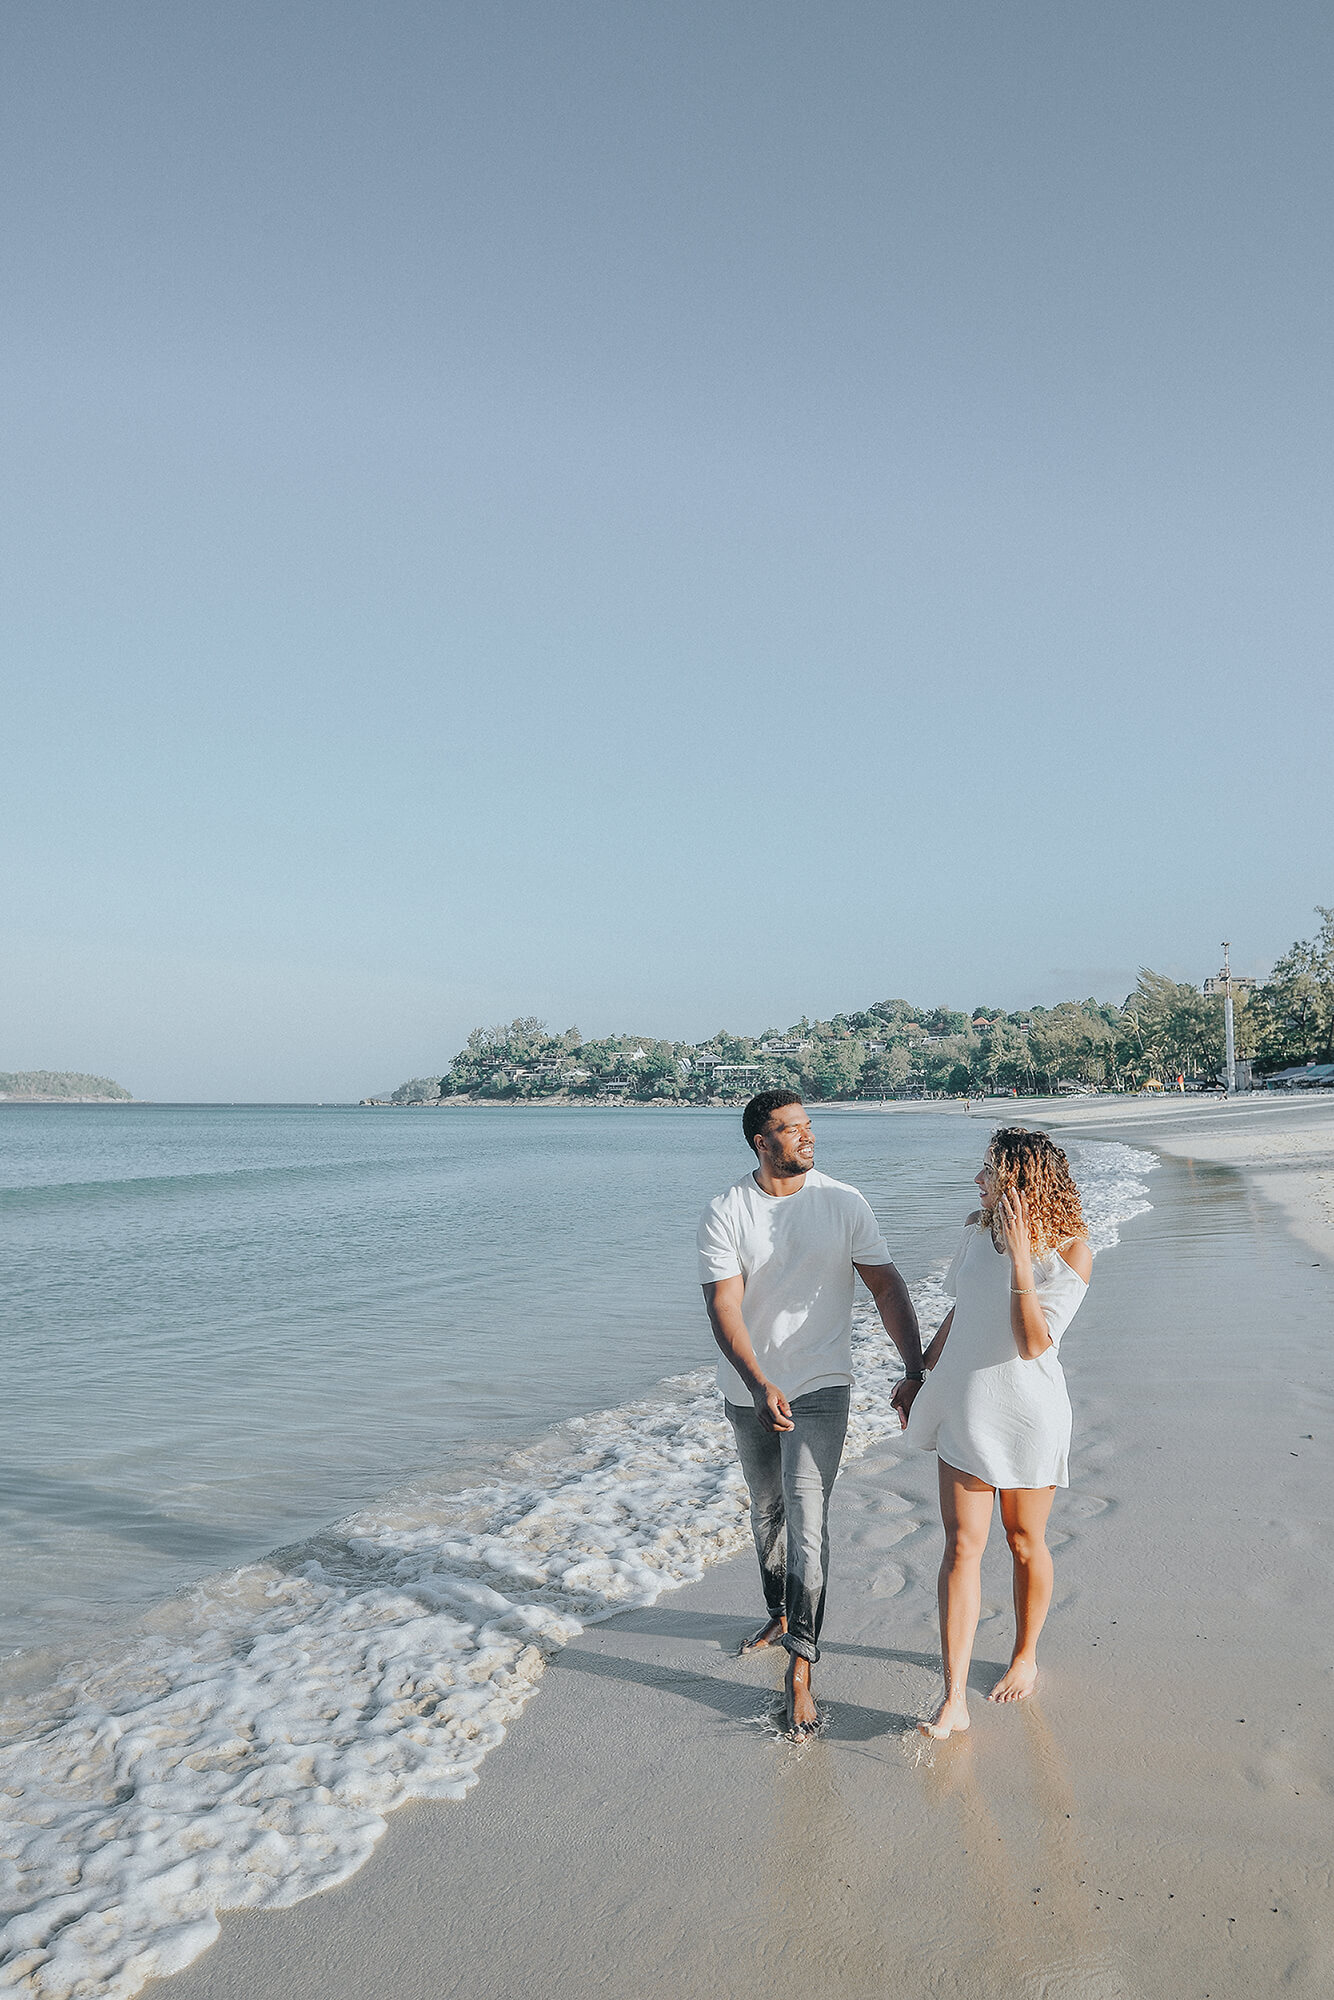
787, 1144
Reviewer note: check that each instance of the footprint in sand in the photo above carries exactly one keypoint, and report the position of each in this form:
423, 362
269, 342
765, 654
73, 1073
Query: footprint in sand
1087, 1506
883, 1535
885, 1503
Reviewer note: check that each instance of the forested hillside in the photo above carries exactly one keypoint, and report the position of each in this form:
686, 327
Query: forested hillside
1164, 1030
57, 1083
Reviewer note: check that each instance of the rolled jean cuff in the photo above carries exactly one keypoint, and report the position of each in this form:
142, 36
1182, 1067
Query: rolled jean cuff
802, 1649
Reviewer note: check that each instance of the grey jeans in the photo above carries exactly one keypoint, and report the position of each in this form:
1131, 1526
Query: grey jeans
791, 1475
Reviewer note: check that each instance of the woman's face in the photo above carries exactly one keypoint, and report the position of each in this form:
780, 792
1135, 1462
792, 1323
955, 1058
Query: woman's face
985, 1182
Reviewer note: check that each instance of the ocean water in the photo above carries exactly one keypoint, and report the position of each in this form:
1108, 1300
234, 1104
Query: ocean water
327, 1427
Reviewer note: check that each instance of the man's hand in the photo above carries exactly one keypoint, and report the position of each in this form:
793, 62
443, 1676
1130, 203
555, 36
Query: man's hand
902, 1400
722, 1302
773, 1409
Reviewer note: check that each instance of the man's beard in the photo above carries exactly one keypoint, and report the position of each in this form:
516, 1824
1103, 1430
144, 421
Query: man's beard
789, 1165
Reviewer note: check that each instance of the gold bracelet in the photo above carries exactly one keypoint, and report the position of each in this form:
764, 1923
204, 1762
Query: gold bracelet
1021, 1291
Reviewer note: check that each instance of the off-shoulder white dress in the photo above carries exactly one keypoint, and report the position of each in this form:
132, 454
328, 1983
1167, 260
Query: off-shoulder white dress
983, 1408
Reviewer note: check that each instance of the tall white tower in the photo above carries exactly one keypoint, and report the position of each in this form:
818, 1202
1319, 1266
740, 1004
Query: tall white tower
1229, 1037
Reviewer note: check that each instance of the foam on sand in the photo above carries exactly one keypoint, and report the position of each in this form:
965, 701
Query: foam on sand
244, 1750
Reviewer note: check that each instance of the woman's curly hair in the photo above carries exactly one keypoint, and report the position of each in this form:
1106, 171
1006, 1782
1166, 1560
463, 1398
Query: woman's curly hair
1036, 1166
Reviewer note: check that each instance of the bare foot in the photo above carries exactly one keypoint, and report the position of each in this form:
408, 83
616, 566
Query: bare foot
768, 1635
802, 1714
951, 1718
1018, 1684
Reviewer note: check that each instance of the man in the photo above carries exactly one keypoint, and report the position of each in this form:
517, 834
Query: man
777, 1254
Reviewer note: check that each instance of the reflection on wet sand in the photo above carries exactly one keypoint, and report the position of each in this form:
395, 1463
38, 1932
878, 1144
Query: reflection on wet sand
1039, 1936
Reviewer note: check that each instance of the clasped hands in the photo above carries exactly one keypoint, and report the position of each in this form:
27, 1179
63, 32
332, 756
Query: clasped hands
775, 1412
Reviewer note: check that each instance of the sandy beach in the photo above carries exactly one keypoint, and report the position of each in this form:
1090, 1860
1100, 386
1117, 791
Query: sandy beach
1156, 1821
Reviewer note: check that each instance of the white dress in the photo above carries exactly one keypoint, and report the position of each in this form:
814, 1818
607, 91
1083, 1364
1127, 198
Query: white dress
983, 1408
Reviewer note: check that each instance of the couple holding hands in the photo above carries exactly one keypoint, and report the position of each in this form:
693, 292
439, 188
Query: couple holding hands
777, 1255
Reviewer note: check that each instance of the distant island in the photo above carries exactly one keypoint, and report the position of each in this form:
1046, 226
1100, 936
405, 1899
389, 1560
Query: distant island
1163, 1034
59, 1086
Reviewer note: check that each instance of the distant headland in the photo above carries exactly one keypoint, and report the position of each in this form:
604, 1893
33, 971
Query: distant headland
59, 1086
1164, 1036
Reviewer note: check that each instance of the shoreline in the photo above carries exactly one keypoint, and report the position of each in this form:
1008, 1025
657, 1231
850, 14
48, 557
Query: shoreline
1284, 1149
1135, 1106
119, 1101
1153, 1821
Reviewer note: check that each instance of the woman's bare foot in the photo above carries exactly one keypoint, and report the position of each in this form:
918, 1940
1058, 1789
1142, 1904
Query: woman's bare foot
1018, 1683
951, 1718
768, 1635
802, 1714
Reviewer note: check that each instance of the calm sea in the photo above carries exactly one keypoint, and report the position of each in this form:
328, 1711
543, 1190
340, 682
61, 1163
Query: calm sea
223, 1327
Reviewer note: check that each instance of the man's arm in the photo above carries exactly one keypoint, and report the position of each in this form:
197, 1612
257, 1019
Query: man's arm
899, 1319
722, 1302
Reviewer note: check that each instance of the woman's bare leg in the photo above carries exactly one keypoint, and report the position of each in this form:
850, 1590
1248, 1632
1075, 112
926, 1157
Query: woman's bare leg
1025, 1510
965, 1507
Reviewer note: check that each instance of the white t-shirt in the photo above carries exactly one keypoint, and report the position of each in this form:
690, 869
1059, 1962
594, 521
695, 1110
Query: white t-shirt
796, 1253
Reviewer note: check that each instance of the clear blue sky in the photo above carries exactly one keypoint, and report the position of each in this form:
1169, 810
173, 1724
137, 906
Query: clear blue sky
655, 516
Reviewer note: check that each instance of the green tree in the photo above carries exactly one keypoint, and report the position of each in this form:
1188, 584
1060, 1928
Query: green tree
422, 1088
658, 1074
1168, 1029
941, 1021
1004, 1058
946, 1068
1071, 1043
501, 1061
886, 1074
833, 1069
1291, 1017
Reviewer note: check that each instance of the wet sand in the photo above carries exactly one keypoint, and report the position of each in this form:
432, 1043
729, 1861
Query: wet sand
1284, 1145
1157, 1820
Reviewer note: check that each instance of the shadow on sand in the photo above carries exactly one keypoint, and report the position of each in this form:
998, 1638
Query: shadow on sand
668, 1621
845, 1721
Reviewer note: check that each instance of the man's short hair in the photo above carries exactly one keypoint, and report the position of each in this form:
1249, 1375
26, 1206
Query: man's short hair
758, 1112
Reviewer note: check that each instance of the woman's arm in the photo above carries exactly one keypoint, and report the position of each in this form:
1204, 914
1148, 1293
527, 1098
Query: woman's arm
937, 1347
1028, 1322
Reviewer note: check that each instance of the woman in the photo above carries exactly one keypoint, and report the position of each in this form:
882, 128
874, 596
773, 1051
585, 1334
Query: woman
994, 1405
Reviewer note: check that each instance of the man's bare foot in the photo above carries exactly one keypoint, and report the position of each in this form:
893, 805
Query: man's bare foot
1018, 1684
802, 1714
951, 1718
768, 1635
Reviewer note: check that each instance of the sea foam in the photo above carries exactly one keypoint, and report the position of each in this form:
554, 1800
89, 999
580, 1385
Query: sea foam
244, 1750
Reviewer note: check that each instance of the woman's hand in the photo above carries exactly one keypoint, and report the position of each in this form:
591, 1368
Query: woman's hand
1013, 1212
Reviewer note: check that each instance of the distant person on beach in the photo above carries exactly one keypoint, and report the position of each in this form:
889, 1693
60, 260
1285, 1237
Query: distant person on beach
994, 1408
777, 1254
